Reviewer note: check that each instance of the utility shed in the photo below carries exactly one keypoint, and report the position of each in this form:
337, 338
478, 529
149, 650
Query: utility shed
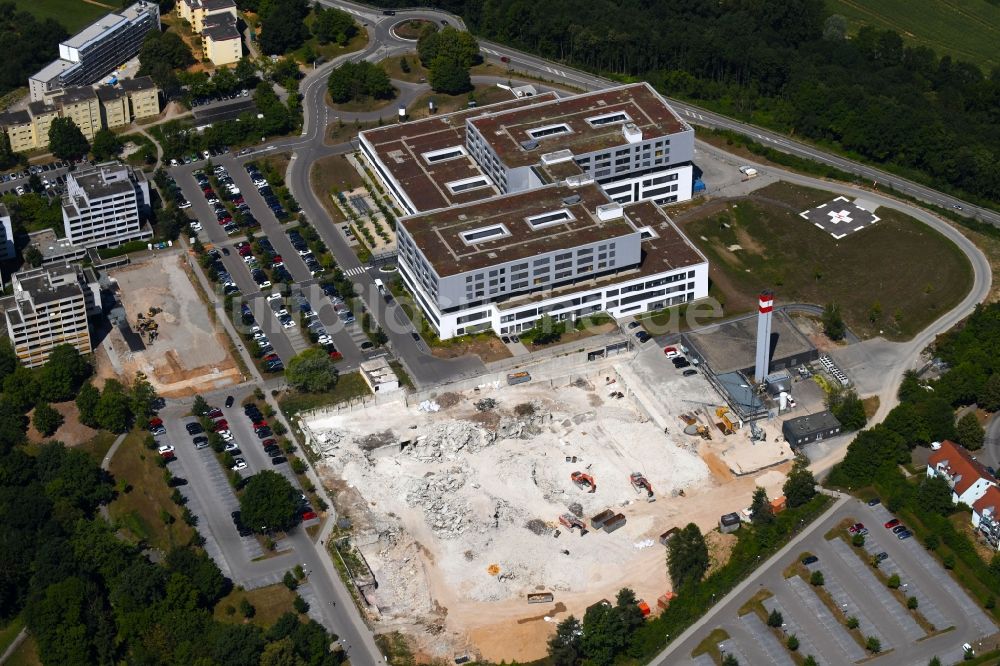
810, 428
729, 523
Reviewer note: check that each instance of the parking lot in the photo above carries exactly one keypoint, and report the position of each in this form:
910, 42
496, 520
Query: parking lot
211, 497
856, 591
286, 342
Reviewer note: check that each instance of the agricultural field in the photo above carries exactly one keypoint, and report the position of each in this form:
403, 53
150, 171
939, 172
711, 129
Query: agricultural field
72, 14
964, 29
892, 278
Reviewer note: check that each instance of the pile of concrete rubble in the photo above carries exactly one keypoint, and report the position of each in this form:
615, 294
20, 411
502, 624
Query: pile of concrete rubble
436, 494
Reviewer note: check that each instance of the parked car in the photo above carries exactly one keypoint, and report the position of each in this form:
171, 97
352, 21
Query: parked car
194, 428
892, 523
810, 559
277, 460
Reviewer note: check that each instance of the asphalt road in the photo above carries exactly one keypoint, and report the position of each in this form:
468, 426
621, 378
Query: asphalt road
849, 581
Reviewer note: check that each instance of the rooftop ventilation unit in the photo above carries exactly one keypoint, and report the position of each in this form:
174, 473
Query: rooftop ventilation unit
529, 144
557, 157
632, 132
572, 199
609, 211
579, 180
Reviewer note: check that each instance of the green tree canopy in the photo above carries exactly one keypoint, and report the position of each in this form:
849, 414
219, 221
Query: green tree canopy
312, 371
833, 322
66, 141
848, 408
990, 397
282, 27
800, 486
112, 411
63, 374
565, 646
760, 507
46, 419
106, 145
604, 634
358, 81
86, 403
450, 43
269, 502
333, 25
20, 388
934, 496
970, 434
449, 77
687, 557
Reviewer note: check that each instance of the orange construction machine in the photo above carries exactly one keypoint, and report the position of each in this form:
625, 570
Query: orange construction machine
640, 483
584, 481
569, 521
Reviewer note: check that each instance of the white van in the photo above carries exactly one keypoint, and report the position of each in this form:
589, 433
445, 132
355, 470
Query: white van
380, 285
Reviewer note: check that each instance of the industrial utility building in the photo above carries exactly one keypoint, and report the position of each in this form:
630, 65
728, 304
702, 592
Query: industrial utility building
97, 50
541, 206
810, 428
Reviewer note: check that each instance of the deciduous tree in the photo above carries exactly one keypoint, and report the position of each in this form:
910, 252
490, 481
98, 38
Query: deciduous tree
970, 434
312, 371
760, 507
269, 502
46, 419
800, 486
66, 141
687, 557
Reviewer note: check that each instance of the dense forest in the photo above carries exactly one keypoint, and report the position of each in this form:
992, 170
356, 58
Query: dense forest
87, 596
787, 65
28, 45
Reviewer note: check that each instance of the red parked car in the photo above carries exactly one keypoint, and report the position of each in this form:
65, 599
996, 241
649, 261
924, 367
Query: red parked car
220, 425
155, 421
214, 413
309, 515
269, 442
892, 523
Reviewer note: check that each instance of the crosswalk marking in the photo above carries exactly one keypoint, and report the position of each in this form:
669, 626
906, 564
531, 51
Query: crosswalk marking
357, 270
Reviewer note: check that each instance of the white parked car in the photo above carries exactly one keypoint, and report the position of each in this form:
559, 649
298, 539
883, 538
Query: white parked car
196, 226
165, 448
324, 340
240, 465
274, 296
231, 446
289, 324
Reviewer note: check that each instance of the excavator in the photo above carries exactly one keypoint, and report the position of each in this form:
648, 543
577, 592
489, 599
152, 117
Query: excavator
584, 481
640, 483
569, 521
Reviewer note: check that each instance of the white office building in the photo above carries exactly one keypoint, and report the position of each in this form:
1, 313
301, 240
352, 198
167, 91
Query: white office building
104, 205
541, 206
49, 307
96, 51
562, 250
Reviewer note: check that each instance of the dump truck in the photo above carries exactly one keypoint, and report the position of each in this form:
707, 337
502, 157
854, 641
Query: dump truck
584, 481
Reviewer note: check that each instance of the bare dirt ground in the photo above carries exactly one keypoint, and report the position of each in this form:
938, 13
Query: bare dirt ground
457, 510
70, 433
190, 354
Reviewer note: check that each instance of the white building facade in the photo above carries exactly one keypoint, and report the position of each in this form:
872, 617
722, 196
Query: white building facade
103, 205
49, 307
7, 249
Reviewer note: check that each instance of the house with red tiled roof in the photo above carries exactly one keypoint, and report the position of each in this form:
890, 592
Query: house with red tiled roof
986, 516
969, 480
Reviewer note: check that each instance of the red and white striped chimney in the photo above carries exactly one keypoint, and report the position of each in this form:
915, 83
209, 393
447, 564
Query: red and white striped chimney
765, 304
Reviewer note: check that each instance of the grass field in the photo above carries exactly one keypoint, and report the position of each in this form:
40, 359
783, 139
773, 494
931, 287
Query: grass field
141, 510
965, 29
349, 387
26, 655
269, 604
72, 14
893, 278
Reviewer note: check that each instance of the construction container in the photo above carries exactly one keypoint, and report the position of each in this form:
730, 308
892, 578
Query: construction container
518, 378
597, 522
644, 608
668, 535
540, 597
778, 504
729, 523
665, 600
614, 523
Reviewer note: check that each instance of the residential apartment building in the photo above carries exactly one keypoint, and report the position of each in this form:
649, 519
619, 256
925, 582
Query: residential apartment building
91, 109
221, 39
562, 250
80, 104
7, 249
986, 516
49, 307
104, 205
541, 206
197, 12
96, 51
969, 480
